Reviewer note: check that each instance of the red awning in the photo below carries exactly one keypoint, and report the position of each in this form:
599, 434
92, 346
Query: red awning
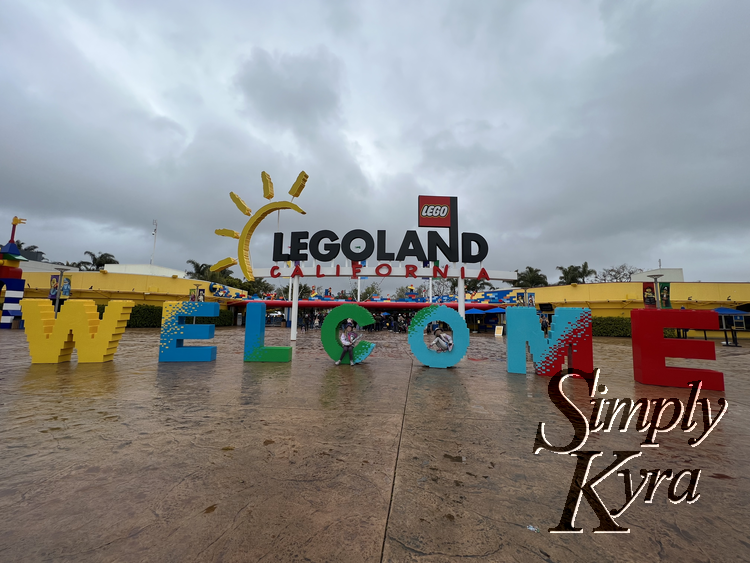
377, 305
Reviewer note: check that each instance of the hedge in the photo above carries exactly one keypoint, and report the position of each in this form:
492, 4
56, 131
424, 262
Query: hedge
610, 326
619, 326
225, 318
149, 316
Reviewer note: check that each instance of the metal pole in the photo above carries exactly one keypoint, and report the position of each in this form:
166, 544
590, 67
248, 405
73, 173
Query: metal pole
430, 290
295, 307
59, 288
153, 252
359, 287
655, 277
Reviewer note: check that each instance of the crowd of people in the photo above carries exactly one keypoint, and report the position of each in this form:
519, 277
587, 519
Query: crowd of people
383, 322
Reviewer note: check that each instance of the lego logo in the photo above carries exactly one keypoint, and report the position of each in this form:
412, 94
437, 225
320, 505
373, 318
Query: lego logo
434, 211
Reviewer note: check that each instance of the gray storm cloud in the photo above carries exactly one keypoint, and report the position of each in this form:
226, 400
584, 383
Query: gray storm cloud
606, 132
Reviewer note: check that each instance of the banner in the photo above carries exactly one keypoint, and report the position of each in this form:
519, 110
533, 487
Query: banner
664, 294
54, 284
649, 297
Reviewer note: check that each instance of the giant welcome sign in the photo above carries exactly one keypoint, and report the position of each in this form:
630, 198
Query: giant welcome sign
52, 340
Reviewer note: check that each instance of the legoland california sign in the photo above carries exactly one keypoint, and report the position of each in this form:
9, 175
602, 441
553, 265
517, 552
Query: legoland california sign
326, 246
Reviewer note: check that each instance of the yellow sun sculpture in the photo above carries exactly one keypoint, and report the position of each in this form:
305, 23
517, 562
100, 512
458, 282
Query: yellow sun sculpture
243, 248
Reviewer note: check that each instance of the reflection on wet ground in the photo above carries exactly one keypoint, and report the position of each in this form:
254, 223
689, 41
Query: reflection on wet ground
389, 460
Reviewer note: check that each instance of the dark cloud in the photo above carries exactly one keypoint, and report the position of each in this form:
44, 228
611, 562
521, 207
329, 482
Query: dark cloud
601, 131
298, 92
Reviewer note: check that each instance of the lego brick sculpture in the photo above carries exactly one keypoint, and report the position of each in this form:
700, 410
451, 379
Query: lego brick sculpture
77, 326
174, 332
432, 358
650, 348
329, 331
12, 303
10, 277
569, 335
255, 337
243, 246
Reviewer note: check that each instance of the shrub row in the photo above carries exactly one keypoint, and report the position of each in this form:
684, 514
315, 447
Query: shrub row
619, 326
225, 318
149, 316
610, 326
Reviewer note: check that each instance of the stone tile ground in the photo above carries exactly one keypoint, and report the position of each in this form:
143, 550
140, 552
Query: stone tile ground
385, 461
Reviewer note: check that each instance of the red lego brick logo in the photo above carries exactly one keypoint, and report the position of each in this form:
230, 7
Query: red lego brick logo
434, 211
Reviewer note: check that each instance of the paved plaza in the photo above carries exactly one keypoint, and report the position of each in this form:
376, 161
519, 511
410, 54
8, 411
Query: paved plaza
385, 461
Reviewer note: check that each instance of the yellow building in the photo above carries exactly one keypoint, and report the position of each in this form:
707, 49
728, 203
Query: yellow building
143, 284
618, 299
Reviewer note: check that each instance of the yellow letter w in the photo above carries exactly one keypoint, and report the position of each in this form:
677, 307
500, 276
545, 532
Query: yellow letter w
51, 340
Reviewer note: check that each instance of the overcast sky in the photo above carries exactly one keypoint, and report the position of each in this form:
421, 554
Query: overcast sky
599, 131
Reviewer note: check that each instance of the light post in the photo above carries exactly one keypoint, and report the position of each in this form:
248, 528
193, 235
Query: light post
59, 288
655, 277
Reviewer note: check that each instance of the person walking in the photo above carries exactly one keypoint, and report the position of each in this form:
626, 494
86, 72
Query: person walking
348, 340
545, 325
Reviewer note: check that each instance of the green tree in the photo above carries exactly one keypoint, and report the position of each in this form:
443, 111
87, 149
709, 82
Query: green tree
621, 273
575, 274
586, 272
32, 248
282, 291
343, 294
203, 272
99, 261
304, 291
403, 290
531, 277
257, 287
471, 285
22, 246
569, 275
369, 291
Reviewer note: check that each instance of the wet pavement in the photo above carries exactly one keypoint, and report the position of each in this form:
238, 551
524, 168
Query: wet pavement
385, 461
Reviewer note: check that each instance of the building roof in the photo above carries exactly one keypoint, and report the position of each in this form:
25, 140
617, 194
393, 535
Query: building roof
144, 270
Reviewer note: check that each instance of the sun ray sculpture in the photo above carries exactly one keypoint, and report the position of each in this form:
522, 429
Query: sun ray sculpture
243, 247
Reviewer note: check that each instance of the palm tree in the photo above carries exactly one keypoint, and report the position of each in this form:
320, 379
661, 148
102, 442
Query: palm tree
586, 272
98, 261
199, 270
82, 265
33, 248
203, 272
569, 275
531, 277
